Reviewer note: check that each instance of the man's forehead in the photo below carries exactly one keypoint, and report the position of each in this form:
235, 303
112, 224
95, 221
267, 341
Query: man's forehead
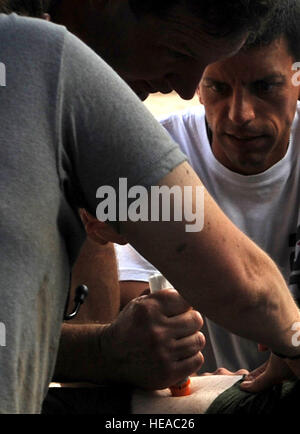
264, 62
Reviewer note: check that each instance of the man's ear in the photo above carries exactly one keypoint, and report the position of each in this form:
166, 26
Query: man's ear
46, 17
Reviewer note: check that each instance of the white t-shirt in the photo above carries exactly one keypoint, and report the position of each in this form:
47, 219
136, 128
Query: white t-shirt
264, 206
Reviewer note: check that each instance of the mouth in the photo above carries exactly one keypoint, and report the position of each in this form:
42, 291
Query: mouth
245, 139
248, 143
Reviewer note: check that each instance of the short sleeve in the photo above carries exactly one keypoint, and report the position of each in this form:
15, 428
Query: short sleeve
132, 265
104, 131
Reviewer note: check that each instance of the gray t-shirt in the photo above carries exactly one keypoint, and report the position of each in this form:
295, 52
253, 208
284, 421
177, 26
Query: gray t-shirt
69, 124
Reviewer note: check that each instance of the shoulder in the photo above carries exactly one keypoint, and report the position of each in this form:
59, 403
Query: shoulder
31, 34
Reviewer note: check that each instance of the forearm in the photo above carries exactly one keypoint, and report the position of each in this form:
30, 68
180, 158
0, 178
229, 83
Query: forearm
96, 267
219, 271
79, 358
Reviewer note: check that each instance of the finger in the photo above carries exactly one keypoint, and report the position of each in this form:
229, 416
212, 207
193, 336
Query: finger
256, 372
171, 303
187, 347
260, 383
185, 324
260, 379
241, 372
186, 367
224, 371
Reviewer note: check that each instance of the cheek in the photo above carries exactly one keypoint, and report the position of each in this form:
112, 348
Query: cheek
214, 116
283, 117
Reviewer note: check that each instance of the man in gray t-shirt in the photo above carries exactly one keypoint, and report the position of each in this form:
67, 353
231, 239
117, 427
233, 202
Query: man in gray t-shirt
56, 150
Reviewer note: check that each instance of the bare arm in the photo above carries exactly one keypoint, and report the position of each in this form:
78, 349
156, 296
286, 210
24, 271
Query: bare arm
91, 352
130, 289
96, 267
252, 291
79, 350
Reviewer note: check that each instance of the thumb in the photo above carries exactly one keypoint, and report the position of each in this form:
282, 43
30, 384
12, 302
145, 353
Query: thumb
257, 380
257, 384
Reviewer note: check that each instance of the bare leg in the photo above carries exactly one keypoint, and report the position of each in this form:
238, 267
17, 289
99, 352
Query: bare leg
204, 391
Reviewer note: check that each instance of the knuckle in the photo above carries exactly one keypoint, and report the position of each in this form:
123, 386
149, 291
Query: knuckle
166, 294
142, 308
200, 340
199, 360
156, 338
197, 320
190, 365
221, 371
172, 295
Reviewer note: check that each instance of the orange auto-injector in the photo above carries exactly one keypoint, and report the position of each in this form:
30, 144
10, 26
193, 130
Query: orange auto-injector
157, 282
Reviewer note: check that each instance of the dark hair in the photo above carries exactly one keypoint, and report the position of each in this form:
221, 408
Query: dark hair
283, 22
220, 18
31, 8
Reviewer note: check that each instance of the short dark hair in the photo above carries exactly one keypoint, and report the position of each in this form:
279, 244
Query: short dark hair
220, 18
32, 8
283, 22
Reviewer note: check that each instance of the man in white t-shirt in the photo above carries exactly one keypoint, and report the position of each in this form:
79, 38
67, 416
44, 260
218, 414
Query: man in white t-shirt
245, 146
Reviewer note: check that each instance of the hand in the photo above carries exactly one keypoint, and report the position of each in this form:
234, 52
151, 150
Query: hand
274, 371
98, 231
224, 371
154, 343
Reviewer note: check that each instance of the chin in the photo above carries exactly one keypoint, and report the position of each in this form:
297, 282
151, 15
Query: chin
250, 167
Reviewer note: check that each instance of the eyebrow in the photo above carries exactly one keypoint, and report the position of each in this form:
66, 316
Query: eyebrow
264, 78
273, 77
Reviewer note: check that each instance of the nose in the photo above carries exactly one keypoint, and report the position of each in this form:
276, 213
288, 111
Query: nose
185, 84
241, 110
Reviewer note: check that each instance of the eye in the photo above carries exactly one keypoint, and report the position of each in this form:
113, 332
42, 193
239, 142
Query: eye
264, 87
217, 87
